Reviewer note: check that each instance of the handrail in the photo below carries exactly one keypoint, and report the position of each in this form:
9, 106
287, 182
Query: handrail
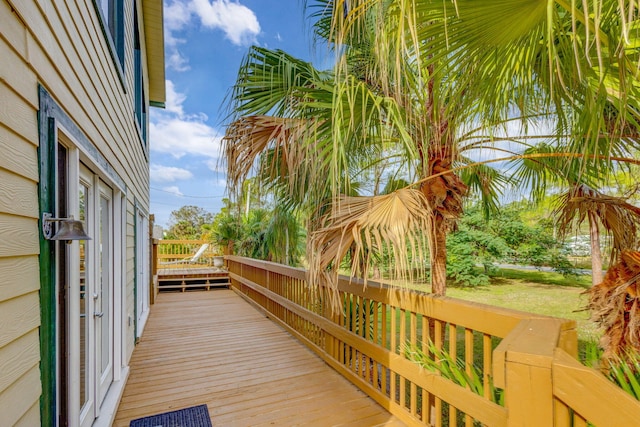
185, 254
531, 357
582, 394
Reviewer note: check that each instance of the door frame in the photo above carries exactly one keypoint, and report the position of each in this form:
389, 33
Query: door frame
54, 125
142, 278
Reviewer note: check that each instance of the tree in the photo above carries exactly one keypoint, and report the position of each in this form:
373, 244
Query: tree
502, 237
187, 223
619, 218
493, 61
430, 83
313, 129
226, 230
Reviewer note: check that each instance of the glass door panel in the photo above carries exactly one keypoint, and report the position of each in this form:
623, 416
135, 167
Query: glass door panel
85, 386
84, 314
104, 294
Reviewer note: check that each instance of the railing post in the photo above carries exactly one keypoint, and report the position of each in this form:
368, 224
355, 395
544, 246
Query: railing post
154, 270
522, 367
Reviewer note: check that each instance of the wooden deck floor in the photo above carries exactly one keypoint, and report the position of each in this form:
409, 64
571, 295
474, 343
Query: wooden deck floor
214, 348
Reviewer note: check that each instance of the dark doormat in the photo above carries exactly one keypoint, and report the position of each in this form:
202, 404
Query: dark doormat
195, 416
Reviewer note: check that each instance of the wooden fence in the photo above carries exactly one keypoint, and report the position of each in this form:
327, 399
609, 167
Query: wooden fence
530, 358
174, 254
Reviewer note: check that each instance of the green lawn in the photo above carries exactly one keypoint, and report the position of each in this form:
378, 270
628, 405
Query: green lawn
536, 292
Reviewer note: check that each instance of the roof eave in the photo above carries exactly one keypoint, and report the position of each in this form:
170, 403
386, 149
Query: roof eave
152, 12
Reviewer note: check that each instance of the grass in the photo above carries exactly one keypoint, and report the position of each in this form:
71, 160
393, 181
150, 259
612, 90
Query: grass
532, 291
537, 292
542, 277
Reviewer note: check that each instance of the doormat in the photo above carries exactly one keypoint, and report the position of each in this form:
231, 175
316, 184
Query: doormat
195, 416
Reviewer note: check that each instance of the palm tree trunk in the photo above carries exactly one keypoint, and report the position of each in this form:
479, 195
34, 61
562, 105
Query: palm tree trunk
596, 255
444, 195
438, 248
286, 247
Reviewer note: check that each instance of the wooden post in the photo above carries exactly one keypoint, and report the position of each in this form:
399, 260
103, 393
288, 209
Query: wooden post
522, 367
153, 262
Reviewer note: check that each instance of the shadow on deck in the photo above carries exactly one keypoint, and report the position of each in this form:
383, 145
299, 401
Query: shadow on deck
214, 348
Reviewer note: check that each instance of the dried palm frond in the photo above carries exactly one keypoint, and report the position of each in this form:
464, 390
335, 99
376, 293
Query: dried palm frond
619, 218
615, 306
391, 223
248, 137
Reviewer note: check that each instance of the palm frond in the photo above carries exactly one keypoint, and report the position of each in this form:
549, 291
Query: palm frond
393, 222
619, 218
249, 137
488, 183
615, 305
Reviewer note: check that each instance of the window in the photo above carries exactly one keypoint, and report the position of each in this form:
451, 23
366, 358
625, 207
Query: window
139, 101
112, 15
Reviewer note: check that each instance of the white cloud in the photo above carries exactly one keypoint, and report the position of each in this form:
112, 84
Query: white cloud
175, 60
174, 100
239, 24
177, 15
174, 190
174, 132
179, 137
161, 173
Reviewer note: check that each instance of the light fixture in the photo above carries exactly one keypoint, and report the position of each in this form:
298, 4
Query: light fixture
69, 229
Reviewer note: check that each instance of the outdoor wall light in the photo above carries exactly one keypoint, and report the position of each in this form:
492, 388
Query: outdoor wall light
69, 229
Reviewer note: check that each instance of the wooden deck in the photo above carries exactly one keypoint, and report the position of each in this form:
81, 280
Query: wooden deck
215, 348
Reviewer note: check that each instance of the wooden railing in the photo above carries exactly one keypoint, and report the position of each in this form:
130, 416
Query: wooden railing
531, 358
185, 253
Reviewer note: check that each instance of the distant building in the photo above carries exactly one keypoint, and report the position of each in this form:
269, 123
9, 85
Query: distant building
76, 82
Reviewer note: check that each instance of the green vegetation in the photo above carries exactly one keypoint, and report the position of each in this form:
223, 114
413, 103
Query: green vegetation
441, 362
540, 277
260, 232
271, 234
540, 292
188, 223
503, 237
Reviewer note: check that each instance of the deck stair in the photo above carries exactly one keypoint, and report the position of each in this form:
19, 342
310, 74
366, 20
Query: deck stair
183, 279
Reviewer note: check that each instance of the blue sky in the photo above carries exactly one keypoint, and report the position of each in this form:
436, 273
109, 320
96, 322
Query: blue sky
206, 41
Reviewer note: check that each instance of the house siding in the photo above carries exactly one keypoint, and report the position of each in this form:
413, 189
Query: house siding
59, 45
20, 387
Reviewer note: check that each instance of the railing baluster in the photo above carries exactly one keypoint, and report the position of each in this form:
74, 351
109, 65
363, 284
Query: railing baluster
468, 357
394, 348
402, 343
453, 352
438, 341
383, 341
413, 338
426, 396
487, 361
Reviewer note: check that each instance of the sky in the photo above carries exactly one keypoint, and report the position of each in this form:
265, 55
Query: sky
205, 43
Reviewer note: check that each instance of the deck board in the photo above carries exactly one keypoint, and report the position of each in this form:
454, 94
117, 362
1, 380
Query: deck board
214, 348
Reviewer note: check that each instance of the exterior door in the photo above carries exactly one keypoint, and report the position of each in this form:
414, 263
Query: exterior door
96, 317
142, 267
103, 292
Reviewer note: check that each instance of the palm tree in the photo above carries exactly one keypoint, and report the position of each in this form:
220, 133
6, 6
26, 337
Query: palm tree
285, 111
615, 306
619, 218
429, 95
